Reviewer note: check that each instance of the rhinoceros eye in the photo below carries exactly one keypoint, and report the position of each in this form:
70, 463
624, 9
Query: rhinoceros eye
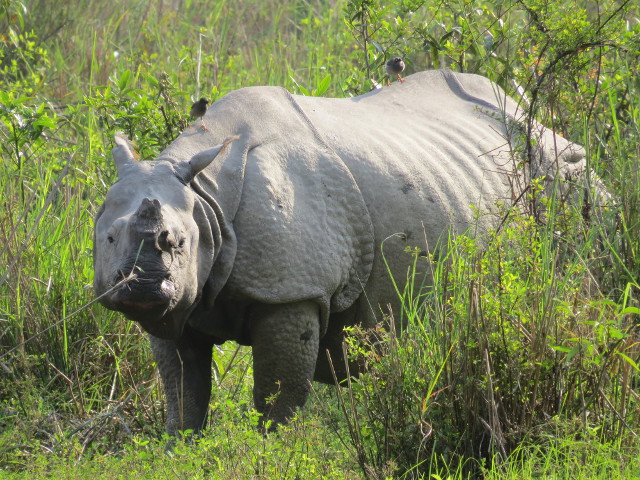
181, 243
110, 239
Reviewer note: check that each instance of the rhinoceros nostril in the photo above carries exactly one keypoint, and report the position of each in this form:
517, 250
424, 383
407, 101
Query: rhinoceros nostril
166, 242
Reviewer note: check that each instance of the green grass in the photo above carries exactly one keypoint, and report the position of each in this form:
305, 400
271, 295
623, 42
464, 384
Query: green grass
520, 361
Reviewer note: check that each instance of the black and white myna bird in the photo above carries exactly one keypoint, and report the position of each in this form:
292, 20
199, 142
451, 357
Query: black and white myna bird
198, 109
395, 66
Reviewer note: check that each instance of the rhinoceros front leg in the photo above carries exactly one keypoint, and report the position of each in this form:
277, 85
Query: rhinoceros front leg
285, 350
185, 368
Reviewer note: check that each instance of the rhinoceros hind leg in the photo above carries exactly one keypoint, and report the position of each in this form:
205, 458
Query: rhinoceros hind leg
285, 348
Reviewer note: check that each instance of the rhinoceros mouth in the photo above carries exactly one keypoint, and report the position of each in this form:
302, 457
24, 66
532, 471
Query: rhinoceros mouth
143, 300
150, 303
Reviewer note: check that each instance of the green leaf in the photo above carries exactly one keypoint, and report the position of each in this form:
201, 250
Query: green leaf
44, 121
630, 361
630, 311
153, 81
378, 46
323, 86
302, 89
446, 37
125, 78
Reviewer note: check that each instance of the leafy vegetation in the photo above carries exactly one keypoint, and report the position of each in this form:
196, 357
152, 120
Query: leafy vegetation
519, 360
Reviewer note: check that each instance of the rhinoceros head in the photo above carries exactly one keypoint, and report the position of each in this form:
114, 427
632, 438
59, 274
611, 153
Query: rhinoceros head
152, 253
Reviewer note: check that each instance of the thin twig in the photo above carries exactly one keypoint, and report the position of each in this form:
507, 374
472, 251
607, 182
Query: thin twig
616, 412
129, 278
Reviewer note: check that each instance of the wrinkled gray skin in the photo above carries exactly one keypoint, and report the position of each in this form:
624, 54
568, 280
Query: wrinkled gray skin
275, 241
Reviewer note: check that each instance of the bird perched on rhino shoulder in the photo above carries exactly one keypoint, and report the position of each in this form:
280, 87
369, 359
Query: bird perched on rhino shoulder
198, 109
395, 66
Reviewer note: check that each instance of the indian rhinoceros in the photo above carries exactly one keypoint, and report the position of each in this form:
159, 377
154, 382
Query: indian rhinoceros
289, 231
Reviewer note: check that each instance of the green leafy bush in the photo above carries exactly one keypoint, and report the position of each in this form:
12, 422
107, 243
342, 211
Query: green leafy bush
510, 341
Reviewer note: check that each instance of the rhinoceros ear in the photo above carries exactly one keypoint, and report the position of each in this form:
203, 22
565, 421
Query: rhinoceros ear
123, 154
202, 160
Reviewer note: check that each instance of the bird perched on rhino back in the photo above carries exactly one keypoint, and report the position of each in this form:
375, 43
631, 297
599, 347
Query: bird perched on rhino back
198, 109
395, 66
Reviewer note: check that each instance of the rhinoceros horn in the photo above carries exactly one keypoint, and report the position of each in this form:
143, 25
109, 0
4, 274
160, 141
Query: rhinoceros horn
148, 223
148, 217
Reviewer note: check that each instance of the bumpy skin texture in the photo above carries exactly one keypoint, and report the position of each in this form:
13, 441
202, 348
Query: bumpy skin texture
277, 240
